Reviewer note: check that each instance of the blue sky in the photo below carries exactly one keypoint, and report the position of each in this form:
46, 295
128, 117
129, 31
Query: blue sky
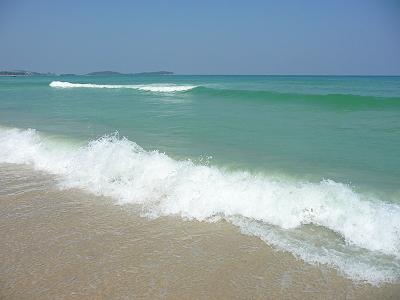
202, 37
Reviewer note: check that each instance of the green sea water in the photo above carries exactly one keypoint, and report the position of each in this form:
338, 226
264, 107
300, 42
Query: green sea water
310, 164
313, 127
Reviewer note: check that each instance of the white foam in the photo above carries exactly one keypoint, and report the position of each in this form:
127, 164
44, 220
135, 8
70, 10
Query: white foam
162, 88
121, 169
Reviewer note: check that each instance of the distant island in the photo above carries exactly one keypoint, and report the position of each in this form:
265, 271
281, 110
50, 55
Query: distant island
24, 73
98, 73
67, 74
104, 73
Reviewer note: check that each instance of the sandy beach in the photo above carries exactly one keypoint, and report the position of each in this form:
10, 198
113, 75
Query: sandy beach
67, 244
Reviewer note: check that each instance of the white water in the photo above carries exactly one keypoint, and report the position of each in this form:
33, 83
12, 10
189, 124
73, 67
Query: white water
121, 169
162, 88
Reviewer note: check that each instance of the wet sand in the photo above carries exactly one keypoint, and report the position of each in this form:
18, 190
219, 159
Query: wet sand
68, 244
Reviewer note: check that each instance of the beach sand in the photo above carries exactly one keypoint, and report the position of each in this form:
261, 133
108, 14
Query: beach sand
68, 244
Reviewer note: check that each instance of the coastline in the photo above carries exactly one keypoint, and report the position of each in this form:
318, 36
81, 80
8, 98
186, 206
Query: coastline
67, 243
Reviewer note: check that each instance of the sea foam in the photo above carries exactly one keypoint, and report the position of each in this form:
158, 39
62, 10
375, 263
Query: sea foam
259, 205
162, 88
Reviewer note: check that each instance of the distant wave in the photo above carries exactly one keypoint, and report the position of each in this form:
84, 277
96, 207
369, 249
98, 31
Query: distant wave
269, 208
334, 101
162, 88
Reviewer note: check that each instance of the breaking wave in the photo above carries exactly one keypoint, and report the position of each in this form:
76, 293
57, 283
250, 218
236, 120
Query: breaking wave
162, 88
367, 246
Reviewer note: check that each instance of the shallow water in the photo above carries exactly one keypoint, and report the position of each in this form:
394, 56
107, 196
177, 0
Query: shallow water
67, 244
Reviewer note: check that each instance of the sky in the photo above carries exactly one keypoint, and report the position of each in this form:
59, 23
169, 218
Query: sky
342, 37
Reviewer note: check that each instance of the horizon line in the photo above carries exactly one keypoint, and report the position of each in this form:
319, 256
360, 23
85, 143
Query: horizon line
198, 74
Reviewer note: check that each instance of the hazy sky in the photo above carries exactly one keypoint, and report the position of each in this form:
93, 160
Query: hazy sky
202, 37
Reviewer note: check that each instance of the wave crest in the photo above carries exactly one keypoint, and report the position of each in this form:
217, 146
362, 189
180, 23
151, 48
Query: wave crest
162, 88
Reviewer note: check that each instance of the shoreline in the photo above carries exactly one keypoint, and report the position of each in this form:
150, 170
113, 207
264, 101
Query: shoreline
68, 243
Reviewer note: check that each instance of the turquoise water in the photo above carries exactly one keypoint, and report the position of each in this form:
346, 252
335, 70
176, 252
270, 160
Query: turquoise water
326, 149
342, 128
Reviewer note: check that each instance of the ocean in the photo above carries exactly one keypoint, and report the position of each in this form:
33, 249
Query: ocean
309, 165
